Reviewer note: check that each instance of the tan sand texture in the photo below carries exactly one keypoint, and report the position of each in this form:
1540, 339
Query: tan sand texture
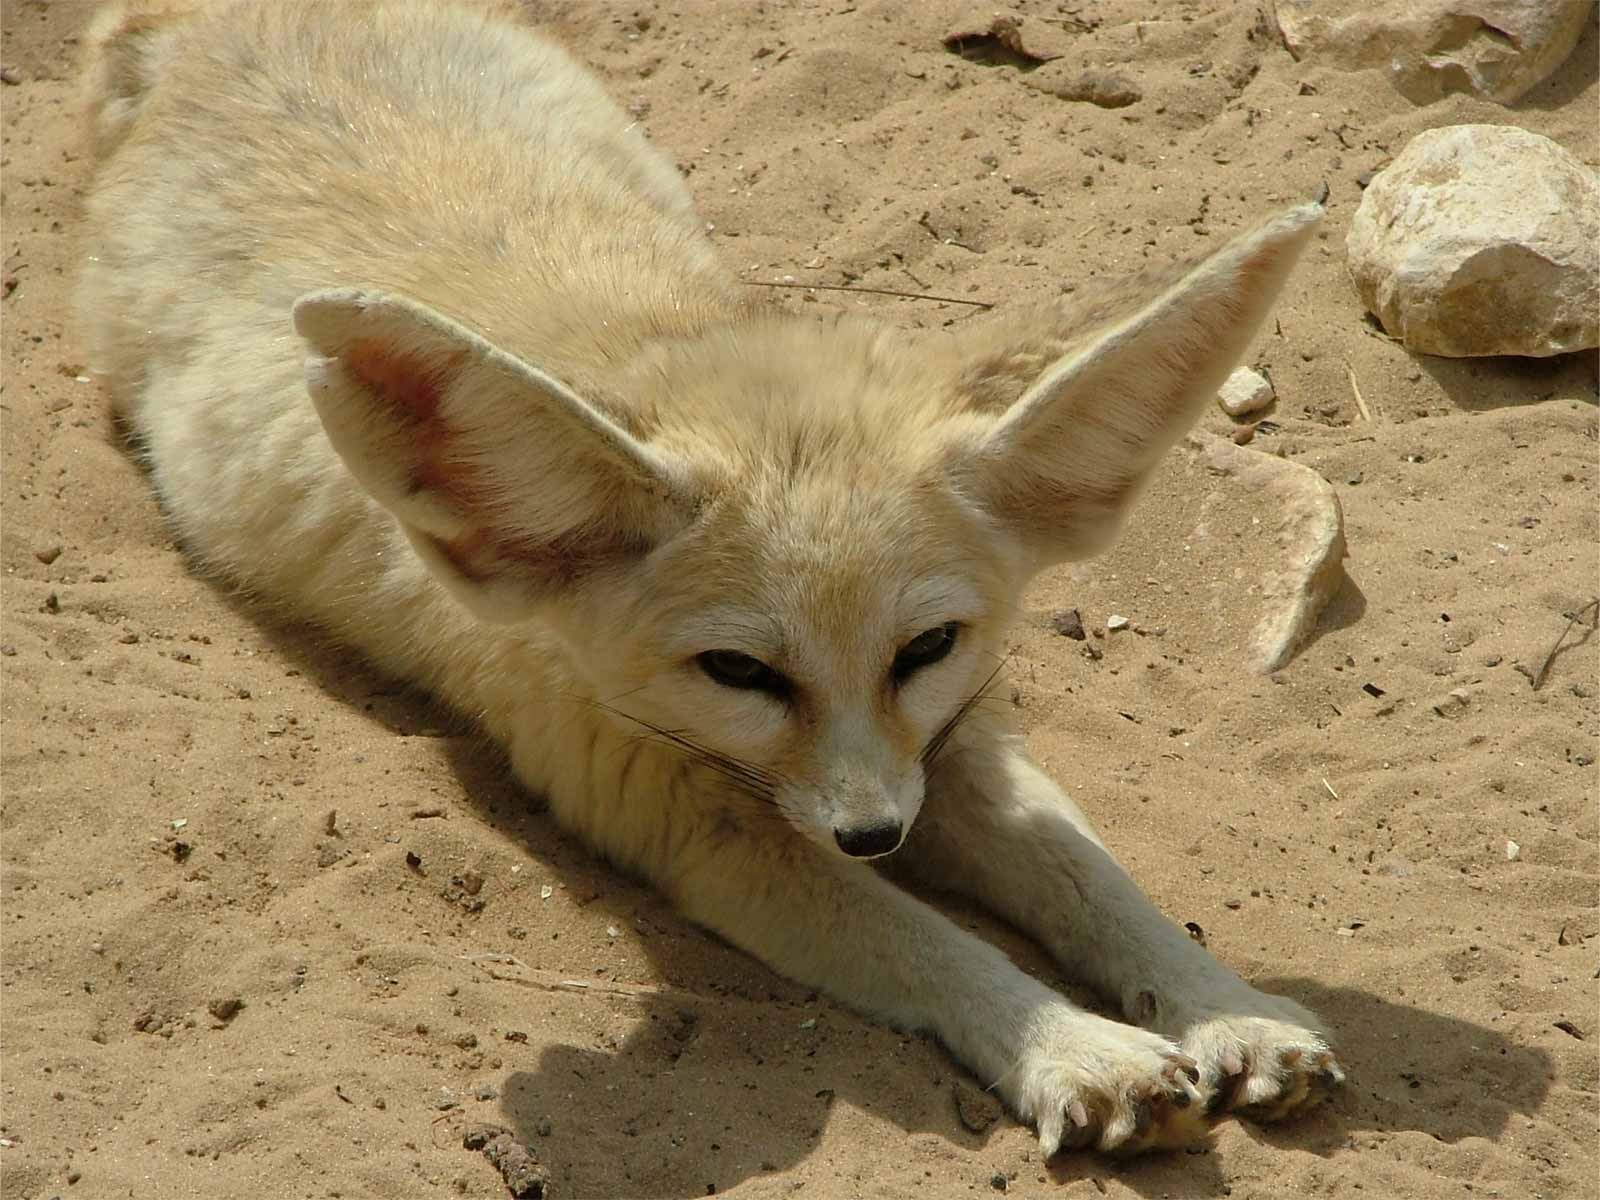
273, 926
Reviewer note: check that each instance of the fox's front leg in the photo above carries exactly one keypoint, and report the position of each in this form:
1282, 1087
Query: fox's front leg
836, 924
996, 827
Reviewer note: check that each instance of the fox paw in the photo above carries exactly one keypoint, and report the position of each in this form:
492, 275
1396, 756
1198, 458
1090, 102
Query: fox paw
1089, 1082
1267, 1059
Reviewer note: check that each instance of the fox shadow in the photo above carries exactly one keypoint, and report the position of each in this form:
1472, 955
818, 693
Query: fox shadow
728, 1071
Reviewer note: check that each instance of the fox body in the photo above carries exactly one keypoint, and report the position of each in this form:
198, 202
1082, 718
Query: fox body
424, 343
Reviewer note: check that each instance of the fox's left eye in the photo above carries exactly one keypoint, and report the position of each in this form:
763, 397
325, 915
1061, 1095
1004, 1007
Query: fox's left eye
925, 649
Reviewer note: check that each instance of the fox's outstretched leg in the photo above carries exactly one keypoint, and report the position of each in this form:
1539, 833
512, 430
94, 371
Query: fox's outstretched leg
836, 924
996, 827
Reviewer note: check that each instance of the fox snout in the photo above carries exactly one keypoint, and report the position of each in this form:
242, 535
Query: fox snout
869, 841
868, 812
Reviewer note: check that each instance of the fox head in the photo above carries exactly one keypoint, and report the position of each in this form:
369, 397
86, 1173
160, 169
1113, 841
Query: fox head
792, 549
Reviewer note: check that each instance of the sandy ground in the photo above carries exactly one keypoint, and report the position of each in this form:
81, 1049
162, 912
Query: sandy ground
201, 808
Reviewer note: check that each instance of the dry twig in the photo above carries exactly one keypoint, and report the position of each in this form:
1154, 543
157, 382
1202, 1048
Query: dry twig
1573, 618
842, 287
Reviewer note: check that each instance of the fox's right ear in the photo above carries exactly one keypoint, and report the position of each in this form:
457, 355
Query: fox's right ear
1075, 422
511, 487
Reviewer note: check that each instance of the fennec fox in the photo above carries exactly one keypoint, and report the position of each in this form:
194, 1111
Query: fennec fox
424, 344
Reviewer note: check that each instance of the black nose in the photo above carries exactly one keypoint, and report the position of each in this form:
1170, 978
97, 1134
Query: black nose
869, 840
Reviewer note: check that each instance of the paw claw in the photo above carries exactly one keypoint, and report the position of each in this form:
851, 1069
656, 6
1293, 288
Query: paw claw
1263, 1057
1092, 1082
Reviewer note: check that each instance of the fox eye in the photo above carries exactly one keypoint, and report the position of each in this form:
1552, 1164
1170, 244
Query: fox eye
732, 669
925, 649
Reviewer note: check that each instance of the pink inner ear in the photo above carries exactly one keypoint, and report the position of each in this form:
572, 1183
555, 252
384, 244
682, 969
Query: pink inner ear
411, 387
408, 383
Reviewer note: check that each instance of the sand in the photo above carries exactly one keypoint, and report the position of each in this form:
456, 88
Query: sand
273, 927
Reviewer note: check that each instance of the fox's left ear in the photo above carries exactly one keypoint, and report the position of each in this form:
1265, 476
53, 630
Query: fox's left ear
1061, 464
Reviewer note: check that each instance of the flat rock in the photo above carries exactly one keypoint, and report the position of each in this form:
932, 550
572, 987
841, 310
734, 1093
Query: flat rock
1498, 49
977, 1110
1245, 391
1480, 240
1104, 89
1302, 565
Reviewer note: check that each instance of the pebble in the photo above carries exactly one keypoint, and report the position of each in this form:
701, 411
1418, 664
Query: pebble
1068, 622
1245, 391
47, 554
1481, 240
1116, 622
1513, 851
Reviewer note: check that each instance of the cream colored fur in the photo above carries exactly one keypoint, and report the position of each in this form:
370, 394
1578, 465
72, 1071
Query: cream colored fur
423, 343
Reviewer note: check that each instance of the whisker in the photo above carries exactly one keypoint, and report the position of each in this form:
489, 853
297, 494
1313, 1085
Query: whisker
945, 732
759, 782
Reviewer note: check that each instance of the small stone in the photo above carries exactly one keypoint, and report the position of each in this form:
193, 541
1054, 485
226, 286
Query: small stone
976, 1109
1513, 850
1353, 479
524, 1177
1068, 623
1452, 703
1117, 622
1245, 391
1233, 904
484, 1090
47, 554
480, 1135
998, 1181
225, 1008
1243, 435
1481, 240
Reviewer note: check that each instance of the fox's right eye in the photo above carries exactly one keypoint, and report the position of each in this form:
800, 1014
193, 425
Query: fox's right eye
733, 669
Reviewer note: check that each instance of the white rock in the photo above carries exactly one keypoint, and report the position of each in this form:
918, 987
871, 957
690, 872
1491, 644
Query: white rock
1245, 391
1306, 566
1116, 622
1513, 851
1481, 239
1496, 48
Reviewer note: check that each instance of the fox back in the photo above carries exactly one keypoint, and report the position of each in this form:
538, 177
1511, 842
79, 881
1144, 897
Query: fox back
424, 343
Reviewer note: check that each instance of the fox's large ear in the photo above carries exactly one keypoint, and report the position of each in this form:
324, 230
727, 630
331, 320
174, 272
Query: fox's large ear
1061, 464
510, 486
